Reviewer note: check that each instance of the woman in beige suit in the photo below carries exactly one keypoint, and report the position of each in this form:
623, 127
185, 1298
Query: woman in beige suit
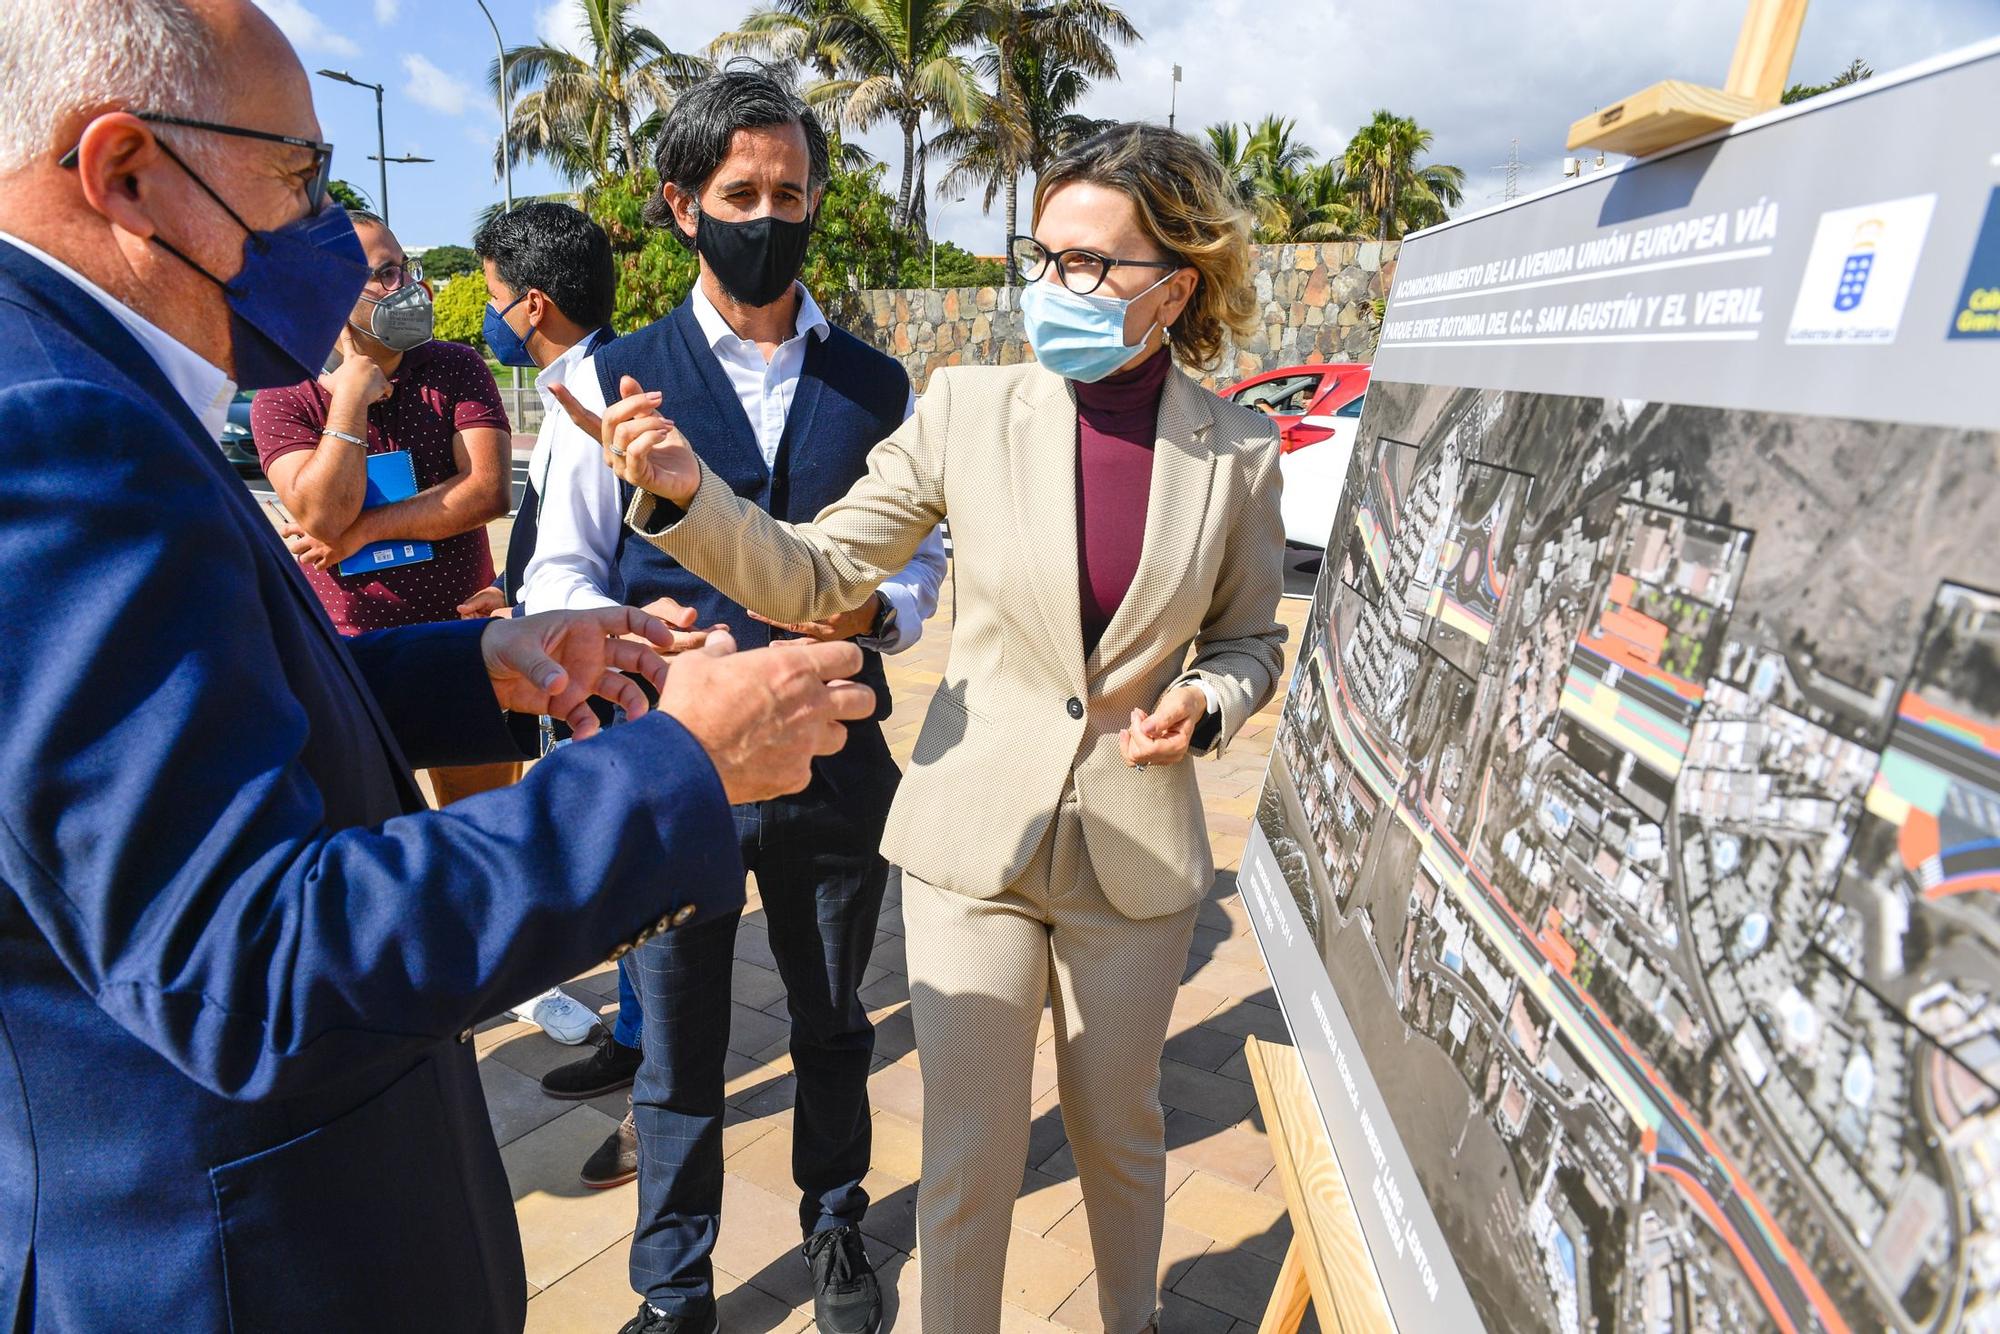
1118, 554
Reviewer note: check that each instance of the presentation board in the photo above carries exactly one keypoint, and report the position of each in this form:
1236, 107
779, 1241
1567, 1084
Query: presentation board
1628, 868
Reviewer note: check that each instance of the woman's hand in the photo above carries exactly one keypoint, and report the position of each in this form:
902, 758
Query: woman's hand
639, 445
1163, 736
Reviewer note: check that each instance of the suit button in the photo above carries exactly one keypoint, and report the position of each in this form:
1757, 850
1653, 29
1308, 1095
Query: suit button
684, 914
1075, 707
466, 1036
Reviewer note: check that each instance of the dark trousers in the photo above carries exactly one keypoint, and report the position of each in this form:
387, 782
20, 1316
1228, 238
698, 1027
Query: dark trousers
822, 894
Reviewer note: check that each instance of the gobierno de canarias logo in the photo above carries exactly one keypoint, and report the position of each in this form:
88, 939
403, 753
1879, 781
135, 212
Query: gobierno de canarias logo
1977, 313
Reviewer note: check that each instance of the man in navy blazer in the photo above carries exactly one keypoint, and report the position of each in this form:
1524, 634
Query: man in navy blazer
239, 960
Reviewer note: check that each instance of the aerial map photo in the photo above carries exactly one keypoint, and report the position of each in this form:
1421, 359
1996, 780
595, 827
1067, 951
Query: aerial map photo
1640, 788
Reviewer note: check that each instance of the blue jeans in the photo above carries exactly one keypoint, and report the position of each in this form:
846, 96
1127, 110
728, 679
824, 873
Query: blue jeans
821, 897
625, 1028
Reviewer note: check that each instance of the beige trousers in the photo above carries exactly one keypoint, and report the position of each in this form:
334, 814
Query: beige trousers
980, 971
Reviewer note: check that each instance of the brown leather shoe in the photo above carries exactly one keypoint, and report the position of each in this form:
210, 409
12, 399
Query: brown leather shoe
616, 1160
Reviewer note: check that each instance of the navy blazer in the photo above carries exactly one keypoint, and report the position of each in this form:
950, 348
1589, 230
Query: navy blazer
239, 961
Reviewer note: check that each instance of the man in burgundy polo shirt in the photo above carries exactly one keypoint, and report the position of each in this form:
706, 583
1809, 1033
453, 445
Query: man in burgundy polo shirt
436, 401
394, 389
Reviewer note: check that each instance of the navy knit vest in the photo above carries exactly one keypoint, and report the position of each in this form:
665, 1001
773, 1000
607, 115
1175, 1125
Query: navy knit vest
849, 398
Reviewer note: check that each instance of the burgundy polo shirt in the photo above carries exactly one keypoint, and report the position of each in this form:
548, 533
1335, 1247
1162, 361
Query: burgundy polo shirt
1117, 422
440, 389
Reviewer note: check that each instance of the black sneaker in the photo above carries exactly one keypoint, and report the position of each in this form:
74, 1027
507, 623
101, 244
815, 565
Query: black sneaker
699, 1319
609, 1067
616, 1160
846, 1297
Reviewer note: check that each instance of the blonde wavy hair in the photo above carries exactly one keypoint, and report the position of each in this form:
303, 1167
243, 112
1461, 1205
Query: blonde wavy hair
1187, 207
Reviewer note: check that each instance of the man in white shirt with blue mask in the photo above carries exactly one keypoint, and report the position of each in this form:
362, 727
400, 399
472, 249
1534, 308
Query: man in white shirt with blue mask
786, 408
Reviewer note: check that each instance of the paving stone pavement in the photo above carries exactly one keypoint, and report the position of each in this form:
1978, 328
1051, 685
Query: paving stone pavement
1226, 1226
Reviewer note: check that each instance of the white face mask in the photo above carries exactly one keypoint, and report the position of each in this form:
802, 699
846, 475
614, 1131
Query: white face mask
1081, 337
403, 319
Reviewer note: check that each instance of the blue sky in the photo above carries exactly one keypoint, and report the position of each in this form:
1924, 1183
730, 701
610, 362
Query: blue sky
1479, 74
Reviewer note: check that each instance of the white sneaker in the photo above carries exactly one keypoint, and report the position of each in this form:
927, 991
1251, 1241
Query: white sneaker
560, 1015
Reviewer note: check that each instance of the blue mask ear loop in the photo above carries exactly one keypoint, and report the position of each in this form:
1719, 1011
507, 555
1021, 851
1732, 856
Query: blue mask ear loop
255, 240
1150, 287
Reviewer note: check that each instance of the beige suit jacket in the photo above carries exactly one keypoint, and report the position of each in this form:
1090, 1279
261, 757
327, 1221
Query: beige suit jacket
1021, 710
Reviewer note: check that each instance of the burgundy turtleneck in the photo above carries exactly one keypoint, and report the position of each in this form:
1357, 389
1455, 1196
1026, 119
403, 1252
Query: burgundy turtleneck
1117, 421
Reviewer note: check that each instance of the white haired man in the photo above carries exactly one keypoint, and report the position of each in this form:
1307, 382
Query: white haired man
239, 959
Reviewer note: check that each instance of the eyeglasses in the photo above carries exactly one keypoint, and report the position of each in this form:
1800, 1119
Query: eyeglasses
1082, 271
397, 273
322, 168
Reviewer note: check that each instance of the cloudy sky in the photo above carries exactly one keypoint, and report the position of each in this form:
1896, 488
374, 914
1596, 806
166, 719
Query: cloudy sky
1479, 74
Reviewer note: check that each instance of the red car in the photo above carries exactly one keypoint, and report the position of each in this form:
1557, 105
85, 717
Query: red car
1295, 394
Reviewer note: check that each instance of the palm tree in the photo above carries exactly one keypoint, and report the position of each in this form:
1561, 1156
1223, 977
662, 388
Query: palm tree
1040, 57
1023, 132
899, 61
590, 116
794, 36
1314, 204
1225, 140
1291, 197
1381, 162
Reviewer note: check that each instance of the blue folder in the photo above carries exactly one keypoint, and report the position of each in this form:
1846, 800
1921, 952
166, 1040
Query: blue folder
391, 477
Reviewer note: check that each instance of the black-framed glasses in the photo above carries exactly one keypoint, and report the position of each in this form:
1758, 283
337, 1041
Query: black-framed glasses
1081, 271
396, 274
322, 174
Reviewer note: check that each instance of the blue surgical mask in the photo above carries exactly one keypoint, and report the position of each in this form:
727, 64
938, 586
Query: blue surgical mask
1080, 337
508, 348
288, 302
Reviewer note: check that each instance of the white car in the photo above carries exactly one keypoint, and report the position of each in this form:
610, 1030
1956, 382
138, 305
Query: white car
1315, 474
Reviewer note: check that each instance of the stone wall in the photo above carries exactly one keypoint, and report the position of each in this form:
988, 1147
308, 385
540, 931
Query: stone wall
1318, 303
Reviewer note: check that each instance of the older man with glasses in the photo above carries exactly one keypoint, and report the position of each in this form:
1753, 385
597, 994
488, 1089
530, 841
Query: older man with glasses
239, 961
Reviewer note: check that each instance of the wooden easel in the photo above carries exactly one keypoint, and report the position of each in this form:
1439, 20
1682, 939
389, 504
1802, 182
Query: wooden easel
1327, 1263
1673, 112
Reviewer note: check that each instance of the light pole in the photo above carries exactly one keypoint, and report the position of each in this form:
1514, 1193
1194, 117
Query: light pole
1173, 98
506, 151
506, 120
381, 139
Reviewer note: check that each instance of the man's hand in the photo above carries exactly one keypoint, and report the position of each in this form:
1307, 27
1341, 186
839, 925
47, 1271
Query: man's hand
847, 625
682, 620
1162, 736
553, 663
319, 553
358, 379
762, 716
488, 601
640, 445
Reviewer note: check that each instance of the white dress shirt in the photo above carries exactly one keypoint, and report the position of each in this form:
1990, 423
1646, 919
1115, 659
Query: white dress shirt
202, 386
580, 520
557, 372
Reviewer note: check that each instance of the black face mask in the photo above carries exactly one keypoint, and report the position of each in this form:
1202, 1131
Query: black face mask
757, 261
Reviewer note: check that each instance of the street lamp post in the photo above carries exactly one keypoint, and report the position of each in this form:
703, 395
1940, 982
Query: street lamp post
381, 157
506, 118
506, 152
385, 161
1174, 98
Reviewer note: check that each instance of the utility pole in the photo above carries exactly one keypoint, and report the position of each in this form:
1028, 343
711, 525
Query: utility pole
506, 117
1173, 98
1513, 168
506, 152
381, 139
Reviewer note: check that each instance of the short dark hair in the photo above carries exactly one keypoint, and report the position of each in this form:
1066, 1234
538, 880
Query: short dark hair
694, 140
558, 249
